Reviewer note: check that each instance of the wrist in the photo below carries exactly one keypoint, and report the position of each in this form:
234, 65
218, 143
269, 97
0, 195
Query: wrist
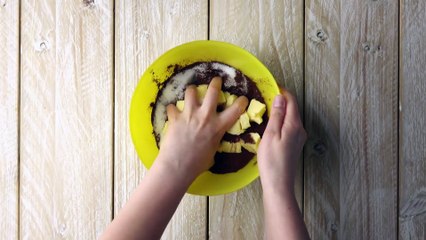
277, 186
278, 195
278, 176
173, 171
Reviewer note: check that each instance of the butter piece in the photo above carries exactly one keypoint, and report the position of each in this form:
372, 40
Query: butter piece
201, 92
230, 99
235, 129
236, 147
230, 147
256, 137
252, 147
244, 121
256, 110
222, 98
224, 146
180, 104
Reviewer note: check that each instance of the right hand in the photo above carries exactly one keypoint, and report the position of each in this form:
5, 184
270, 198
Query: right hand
194, 134
281, 144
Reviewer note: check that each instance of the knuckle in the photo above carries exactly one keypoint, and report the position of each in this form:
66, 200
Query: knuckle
277, 113
190, 90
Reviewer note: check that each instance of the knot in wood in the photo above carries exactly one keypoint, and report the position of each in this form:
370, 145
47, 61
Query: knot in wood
42, 46
62, 230
3, 3
89, 3
321, 35
334, 227
319, 148
366, 47
145, 34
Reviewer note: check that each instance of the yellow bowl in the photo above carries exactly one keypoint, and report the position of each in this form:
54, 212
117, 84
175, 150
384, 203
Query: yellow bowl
146, 92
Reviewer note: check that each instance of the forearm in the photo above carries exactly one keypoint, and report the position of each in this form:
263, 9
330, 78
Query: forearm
151, 206
283, 219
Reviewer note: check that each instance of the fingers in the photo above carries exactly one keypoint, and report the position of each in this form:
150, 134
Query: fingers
172, 112
212, 95
230, 115
276, 119
191, 97
292, 111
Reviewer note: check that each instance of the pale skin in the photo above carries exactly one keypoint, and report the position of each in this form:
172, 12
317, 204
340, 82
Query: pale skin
176, 168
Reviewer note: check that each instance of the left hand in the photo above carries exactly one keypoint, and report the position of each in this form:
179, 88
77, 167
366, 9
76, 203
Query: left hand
194, 135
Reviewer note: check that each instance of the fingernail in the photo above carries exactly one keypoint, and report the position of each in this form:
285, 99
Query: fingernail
279, 101
217, 78
244, 105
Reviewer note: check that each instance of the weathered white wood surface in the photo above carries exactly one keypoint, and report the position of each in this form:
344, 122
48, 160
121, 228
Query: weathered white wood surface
351, 160
66, 119
322, 89
9, 92
67, 160
273, 31
144, 31
412, 184
368, 120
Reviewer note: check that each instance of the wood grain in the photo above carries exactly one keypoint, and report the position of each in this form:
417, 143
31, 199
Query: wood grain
73, 116
368, 121
9, 94
272, 31
144, 31
322, 88
66, 126
351, 164
412, 185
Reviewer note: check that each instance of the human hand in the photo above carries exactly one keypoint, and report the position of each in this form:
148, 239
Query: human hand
194, 134
281, 144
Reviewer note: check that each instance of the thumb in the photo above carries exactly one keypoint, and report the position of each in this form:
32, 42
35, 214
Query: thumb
276, 119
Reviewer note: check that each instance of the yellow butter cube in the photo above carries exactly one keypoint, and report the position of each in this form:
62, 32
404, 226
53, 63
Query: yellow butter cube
180, 105
256, 137
256, 110
222, 98
235, 129
252, 146
219, 149
230, 99
230, 147
201, 92
244, 121
236, 147
225, 146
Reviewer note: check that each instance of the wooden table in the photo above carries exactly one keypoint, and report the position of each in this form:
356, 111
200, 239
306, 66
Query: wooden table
68, 70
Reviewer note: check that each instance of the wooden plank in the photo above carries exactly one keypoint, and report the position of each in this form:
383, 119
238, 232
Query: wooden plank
412, 185
9, 92
351, 158
145, 30
322, 88
368, 120
66, 126
273, 31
